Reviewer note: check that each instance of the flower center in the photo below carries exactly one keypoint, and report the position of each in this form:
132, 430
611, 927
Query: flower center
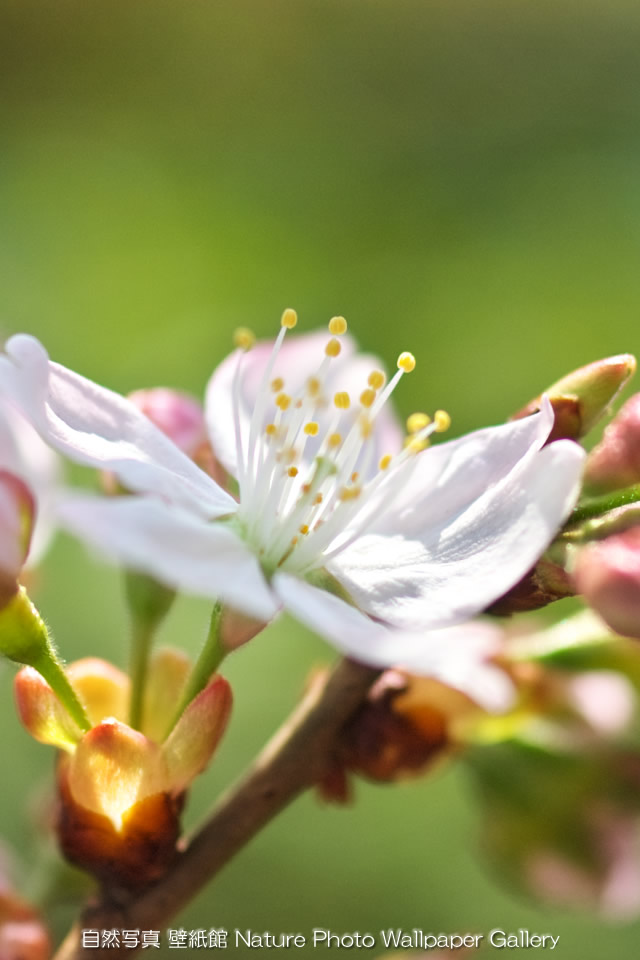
309, 467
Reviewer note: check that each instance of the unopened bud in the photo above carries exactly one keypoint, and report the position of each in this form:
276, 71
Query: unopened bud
178, 415
615, 462
543, 584
581, 398
608, 574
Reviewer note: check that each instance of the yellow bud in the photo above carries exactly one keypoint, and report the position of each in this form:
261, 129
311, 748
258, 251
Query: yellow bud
337, 326
406, 362
289, 319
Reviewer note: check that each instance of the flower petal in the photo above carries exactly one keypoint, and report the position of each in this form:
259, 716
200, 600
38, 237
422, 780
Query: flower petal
457, 656
192, 741
42, 713
174, 546
97, 427
102, 688
166, 678
17, 513
445, 570
298, 360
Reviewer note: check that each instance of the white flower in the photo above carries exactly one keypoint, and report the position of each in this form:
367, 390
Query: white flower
336, 522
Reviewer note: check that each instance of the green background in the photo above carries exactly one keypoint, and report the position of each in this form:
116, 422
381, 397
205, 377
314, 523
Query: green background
457, 178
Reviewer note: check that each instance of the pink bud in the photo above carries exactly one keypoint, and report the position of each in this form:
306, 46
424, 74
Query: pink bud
608, 574
176, 414
615, 462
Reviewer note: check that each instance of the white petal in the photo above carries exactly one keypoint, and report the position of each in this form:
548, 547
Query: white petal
174, 546
99, 428
446, 571
298, 360
457, 656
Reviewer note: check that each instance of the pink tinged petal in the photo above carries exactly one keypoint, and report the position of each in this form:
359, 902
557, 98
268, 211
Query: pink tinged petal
176, 547
444, 572
298, 359
179, 416
17, 514
42, 713
456, 656
25, 455
194, 738
607, 700
97, 427
102, 688
114, 767
166, 678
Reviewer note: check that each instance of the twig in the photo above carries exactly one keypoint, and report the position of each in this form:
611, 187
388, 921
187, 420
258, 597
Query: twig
292, 761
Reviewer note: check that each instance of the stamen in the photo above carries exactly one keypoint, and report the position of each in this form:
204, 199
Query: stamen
367, 397
313, 386
406, 362
311, 429
366, 427
385, 461
304, 529
377, 379
289, 319
333, 348
350, 493
342, 400
334, 439
244, 338
354, 476
337, 326
293, 471
442, 420
271, 429
277, 384
416, 444
317, 500
283, 401
417, 422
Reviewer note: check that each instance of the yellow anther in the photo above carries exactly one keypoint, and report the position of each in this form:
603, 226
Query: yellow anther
283, 400
442, 420
334, 439
277, 384
354, 476
367, 397
313, 386
350, 493
417, 422
376, 379
243, 338
317, 500
306, 488
271, 429
289, 319
298, 404
406, 362
415, 445
304, 529
311, 429
337, 326
293, 471
385, 461
333, 348
366, 426
294, 540
342, 400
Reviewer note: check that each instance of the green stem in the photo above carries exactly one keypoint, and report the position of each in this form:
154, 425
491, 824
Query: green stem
49, 667
596, 506
210, 658
141, 640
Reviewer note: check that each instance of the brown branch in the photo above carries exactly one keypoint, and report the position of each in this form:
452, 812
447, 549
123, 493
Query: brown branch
290, 763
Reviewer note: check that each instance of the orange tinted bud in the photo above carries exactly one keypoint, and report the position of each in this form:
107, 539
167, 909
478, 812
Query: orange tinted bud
581, 398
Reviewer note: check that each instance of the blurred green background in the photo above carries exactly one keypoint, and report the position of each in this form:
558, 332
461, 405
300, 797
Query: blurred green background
457, 178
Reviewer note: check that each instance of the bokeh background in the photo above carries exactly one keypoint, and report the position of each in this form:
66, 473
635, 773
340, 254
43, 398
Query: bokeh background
457, 178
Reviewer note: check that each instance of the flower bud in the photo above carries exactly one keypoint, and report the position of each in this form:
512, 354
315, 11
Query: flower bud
17, 516
608, 574
177, 414
581, 398
615, 462
23, 935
